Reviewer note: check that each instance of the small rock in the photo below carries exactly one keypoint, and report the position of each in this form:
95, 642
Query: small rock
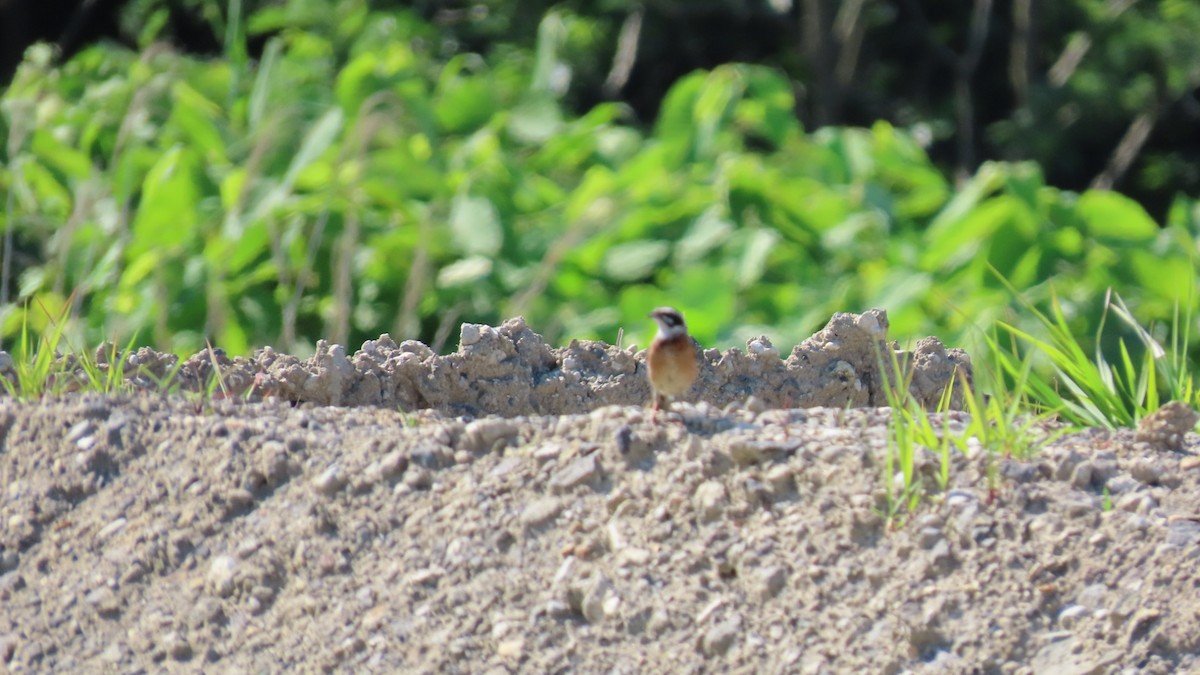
633, 557
393, 464
1093, 596
1136, 502
583, 470
1067, 463
1141, 624
482, 435
547, 452
594, 606
782, 479
9, 560
511, 649
1189, 463
104, 601
1145, 472
417, 478
176, 646
1064, 656
710, 499
112, 654
540, 512
80, 431
1121, 485
425, 577
110, 529
1183, 533
941, 560
745, 451
221, 572
928, 537
329, 481
1070, 616
960, 499
718, 639
1081, 477
769, 581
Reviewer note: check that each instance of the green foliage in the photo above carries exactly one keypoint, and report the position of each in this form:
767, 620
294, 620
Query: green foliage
356, 180
1090, 390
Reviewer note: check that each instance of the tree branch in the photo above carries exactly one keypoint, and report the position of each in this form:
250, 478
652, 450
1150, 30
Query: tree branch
1128, 149
626, 56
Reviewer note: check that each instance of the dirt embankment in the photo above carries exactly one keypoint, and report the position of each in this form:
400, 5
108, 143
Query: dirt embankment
512, 508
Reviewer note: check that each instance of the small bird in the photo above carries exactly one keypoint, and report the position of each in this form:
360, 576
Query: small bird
672, 358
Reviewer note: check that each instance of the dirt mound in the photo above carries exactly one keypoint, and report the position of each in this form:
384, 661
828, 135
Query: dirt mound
509, 370
143, 533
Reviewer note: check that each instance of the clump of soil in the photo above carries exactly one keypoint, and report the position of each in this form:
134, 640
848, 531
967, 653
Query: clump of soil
568, 531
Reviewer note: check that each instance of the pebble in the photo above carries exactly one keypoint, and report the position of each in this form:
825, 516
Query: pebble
431, 455
1183, 533
582, 470
1081, 477
511, 649
416, 478
1146, 472
961, 499
769, 581
80, 431
745, 451
546, 452
782, 479
425, 577
1093, 596
928, 537
718, 639
221, 573
540, 512
710, 499
393, 464
112, 528
176, 646
1121, 485
329, 481
941, 560
1070, 616
104, 601
633, 557
594, 606
1140, 624
1136, 502
482, 435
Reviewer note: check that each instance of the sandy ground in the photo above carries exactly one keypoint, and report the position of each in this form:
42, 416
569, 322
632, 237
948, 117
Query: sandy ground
512, 507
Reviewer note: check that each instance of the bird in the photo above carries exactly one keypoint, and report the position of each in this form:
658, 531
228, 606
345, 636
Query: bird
672, 358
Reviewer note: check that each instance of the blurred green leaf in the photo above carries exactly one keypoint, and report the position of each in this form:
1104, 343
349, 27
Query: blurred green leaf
464, 272
70, 162
476, 225
535, 120
166, 216
753, 261
1115, 216
635, 259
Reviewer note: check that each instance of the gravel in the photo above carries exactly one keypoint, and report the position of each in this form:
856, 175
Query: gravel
530, 516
